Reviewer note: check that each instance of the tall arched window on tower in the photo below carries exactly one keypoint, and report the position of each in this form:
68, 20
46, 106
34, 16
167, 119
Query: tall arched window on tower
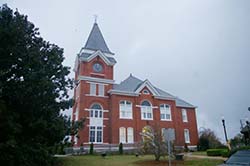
96, 123
126, 110
146, 111
165, 112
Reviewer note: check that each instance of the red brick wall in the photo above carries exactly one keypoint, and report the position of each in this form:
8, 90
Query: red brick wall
111, 103
86, 69
191, 125
85, 101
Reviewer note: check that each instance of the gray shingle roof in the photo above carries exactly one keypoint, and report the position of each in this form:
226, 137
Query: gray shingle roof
96, 41
132, 83
181, 103
84, 56
128, 85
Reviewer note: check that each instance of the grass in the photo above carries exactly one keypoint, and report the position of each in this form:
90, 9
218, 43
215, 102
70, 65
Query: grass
129, 160
203, 162
201, 153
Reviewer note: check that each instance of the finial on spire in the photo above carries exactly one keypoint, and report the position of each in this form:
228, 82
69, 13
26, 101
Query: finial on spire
95, 17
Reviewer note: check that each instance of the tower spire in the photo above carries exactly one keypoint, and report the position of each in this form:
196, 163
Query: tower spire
95, 40
95, 18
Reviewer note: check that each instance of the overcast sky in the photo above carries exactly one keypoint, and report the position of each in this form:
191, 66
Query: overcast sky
196, 50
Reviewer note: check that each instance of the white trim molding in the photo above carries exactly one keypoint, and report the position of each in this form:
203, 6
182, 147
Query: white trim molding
93, 79
95, 54
118, 92
151, 88
89, 109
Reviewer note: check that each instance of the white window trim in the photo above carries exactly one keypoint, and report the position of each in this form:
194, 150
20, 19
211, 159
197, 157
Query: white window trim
186, 136
122, 129
146, 92
101, 90
95, 131
132, 135
96, 96
125, 110
185, 112
92, 88
165, 113
147, 111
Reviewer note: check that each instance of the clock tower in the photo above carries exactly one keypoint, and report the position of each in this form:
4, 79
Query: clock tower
93, 79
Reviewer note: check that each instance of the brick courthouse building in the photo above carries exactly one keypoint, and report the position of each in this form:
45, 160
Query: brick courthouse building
118, 112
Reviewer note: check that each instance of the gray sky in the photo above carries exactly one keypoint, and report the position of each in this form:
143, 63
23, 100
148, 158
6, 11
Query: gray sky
196, 50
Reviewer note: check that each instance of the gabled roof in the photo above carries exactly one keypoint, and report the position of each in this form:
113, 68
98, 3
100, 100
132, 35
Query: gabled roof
96, 41
147, 84
133, 86
88, 57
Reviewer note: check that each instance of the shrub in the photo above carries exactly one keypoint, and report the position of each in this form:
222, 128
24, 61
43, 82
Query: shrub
91, 148
216, 152
225, 153
121, 148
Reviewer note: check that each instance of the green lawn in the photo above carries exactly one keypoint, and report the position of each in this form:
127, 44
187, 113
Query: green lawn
201, 153
128, 160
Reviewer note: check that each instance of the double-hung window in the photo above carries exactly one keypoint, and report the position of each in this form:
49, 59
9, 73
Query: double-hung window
130, 136
186, 136
165, 112
146, 111
184, 115
92, 89
101, 90
126, 137
126, 110
122, 133
95, 134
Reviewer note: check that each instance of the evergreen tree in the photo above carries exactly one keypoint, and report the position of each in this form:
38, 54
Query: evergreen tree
33, 91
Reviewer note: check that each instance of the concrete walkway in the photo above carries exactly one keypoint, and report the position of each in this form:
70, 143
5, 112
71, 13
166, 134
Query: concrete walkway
205, 157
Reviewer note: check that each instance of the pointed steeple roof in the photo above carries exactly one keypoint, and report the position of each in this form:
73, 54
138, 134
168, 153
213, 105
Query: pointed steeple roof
96, 41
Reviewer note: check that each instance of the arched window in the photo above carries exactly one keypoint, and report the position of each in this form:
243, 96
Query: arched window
130, 136
96, 111
165, 112
146, 111
122, 134
126, 110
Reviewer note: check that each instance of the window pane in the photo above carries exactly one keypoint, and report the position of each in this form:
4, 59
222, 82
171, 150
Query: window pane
125, 109
100, 114
92, 134
145, 103
96, 106
91, 113
168, 116
184, 115
130, 135
122, 133
101, 90
162, 116
186, 135
96, 113
92, 89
